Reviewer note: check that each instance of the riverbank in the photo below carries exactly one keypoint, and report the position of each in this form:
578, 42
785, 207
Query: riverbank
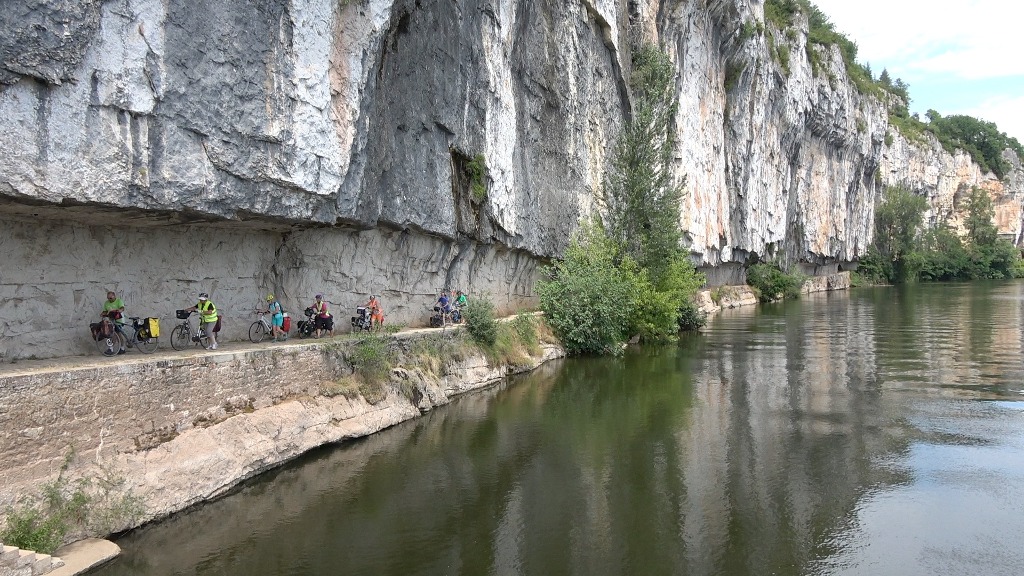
713, 300
154, 435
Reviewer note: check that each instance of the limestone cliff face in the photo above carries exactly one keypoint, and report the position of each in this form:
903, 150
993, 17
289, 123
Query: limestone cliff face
343, 133
316, 111
787, 161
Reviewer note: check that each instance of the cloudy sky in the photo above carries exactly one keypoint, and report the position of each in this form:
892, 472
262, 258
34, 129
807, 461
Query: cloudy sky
959, 57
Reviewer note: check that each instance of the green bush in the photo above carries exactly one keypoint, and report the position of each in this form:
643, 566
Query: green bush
691, 317
585, 297
372, 358
526, 328
480, 322
873, 268
93, 506
30, 529
945, 256
477, 169
654, 315
1017, 270
771, 283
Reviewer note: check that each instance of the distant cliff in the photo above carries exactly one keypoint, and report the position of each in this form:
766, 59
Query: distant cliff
333, 142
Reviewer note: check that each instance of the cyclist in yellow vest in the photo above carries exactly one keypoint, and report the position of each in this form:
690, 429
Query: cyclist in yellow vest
207, 317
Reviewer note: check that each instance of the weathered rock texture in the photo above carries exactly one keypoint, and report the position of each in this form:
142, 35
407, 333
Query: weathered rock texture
56, 274
173, 431
297, 124
717, 299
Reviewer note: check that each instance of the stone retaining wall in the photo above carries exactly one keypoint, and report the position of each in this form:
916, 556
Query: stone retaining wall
175, 430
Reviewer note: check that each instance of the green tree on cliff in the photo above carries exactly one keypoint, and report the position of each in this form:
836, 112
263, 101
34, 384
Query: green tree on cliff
982, 140
628, 276
642, 195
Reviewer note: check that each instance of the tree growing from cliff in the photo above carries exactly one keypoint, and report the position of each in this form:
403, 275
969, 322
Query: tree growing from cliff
628, 276
642, 195
990, 256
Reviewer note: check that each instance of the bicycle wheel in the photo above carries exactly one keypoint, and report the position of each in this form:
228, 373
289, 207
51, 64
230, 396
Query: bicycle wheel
145, 343
257, 332
110, 346
181, 338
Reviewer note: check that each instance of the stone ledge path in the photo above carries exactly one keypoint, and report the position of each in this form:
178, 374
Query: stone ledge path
165, 352
84, 555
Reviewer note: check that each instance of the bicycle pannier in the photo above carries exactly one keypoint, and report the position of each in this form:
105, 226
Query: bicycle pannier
101, 330
153, 327
286, 323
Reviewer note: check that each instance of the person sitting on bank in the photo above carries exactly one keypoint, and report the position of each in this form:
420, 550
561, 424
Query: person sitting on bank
207, 317
113, 310
376, 311
276, 319
324, 323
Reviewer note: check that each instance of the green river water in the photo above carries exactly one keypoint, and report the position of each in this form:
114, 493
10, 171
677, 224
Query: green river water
873, 432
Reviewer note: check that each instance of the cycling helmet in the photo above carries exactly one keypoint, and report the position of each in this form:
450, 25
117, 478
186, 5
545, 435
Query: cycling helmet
204, 296
270, 297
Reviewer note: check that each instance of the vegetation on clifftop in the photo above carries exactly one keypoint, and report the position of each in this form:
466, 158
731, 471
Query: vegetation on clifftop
981, 139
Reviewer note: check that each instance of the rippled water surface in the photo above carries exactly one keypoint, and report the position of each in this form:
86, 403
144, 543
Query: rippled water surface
874, 432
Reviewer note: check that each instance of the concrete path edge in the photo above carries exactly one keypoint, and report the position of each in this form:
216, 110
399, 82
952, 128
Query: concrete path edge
84, 555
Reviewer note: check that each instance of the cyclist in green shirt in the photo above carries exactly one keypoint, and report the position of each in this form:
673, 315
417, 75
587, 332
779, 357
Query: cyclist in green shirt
459, 307
113, 309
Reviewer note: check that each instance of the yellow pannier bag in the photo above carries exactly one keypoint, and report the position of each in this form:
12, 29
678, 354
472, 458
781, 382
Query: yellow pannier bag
153, 327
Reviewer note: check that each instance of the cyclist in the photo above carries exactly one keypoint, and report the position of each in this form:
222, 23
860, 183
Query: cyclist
276, 318
460, 304
324, 322
444, 306
113, 310
207, 317
376, 311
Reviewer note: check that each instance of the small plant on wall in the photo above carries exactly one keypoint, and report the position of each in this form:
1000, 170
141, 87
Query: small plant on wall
477, 169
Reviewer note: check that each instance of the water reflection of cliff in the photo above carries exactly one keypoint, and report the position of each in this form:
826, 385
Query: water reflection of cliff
742, 451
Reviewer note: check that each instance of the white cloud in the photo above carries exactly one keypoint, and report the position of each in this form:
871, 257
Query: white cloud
961, 54
970, 40
1004, 111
